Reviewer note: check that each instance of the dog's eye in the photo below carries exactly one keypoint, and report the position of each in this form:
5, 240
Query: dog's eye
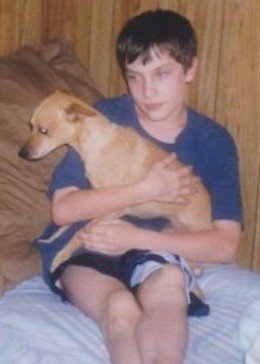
43, 130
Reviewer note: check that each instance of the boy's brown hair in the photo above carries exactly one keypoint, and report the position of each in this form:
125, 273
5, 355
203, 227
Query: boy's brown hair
161, 30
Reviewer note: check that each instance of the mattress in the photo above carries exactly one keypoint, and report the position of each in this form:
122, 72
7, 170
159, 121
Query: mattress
37, 328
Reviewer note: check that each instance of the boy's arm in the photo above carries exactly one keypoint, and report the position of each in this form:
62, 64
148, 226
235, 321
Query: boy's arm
217, 245
162, 183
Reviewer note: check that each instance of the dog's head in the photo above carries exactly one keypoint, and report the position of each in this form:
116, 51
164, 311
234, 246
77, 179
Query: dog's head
55, 122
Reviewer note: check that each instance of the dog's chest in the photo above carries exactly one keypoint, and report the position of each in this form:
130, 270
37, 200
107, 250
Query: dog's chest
114, 159
103, 173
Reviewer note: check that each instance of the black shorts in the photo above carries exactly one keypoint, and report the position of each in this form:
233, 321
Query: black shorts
132, 268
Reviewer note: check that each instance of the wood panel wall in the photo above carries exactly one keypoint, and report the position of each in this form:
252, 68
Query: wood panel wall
228, 83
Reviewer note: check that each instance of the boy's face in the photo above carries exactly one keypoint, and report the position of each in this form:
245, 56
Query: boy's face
159, 86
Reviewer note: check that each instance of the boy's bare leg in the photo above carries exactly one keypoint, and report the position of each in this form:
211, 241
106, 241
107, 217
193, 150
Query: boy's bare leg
111, 305
162, 328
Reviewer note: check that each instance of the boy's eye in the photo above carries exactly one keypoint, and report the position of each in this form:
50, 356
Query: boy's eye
131, 77
163, 73
43, 131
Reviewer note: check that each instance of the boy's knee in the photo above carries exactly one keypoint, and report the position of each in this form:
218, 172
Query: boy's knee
122, 313
166, 286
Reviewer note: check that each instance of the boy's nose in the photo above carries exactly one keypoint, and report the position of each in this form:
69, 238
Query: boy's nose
149, 88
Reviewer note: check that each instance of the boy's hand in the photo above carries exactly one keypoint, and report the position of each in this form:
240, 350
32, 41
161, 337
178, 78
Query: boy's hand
167, 181
108, 236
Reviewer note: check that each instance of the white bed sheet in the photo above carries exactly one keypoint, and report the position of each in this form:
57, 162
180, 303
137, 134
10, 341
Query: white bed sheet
37, 328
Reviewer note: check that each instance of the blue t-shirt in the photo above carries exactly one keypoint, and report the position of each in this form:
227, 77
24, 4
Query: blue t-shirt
203, 143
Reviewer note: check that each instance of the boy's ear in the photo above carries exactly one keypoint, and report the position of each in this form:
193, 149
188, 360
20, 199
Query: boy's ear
76, 112
191, 72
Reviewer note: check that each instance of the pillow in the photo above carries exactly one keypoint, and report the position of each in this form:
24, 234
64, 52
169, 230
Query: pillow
26, 78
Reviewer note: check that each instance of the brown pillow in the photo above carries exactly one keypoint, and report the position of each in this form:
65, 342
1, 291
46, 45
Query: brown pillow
26, 77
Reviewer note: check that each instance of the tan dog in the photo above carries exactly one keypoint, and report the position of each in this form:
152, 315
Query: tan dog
113, 155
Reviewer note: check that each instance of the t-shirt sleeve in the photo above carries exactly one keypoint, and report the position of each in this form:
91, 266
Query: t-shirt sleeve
70, 172
223, 179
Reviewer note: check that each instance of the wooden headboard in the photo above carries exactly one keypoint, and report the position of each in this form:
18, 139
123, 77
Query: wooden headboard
227, 87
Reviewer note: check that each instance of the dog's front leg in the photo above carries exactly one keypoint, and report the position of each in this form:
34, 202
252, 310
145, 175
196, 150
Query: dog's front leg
75, 243
66, 252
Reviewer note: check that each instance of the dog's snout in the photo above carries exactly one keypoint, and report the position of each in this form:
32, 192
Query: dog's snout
23, 153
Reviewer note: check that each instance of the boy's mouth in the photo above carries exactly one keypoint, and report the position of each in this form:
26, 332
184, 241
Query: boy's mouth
153, 106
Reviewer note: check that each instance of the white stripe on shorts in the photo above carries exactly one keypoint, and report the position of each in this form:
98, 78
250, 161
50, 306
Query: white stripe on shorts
143, 270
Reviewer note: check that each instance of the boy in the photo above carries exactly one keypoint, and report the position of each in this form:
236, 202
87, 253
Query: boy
143, 312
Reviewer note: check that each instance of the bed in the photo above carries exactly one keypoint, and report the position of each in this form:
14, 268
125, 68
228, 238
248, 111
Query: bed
35, 326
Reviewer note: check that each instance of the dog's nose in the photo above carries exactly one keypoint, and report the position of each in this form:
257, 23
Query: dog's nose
23, 153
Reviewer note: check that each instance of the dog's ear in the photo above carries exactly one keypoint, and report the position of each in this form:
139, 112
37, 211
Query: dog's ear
76, 112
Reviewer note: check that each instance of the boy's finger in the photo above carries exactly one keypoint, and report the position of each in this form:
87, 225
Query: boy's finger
167, 161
